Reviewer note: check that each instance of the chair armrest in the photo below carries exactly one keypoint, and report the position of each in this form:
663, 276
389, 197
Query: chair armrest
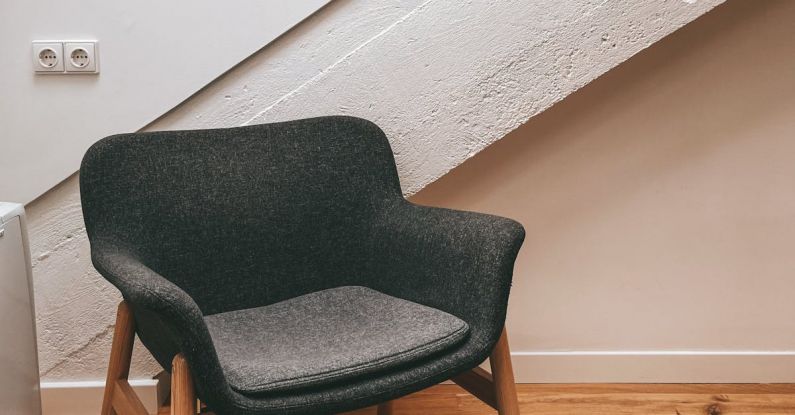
145, 288
149, 292
455, 261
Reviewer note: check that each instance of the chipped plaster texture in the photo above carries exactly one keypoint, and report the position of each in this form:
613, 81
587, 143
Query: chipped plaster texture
444, 80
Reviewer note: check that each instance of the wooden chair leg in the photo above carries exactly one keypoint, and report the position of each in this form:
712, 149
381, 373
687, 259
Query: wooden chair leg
183, 395
502, 372
385, 408
120, 398
120, 355
497, 389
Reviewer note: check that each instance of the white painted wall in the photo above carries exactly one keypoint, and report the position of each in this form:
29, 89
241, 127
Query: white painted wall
444, 80
152, 54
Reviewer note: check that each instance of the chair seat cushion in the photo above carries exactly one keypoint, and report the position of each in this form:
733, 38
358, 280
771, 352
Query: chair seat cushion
325, 337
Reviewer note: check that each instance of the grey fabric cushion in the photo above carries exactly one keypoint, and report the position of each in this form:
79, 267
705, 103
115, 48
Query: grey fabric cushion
327, 336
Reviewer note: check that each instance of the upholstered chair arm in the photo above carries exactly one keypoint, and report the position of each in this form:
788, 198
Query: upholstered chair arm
455, 261
153, 296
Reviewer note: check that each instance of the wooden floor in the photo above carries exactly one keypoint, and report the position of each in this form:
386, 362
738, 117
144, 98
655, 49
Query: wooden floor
611, 399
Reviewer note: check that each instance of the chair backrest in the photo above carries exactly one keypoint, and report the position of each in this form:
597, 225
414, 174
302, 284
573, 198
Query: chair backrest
242, 217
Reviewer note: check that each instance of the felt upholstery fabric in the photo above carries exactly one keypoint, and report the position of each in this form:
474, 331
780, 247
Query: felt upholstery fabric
326, 336
187, 224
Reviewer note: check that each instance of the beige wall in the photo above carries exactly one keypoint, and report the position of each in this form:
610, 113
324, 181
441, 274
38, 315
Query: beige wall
659, 204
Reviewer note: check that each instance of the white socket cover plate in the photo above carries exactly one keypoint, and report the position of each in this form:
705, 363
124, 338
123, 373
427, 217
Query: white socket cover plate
40, 49
77, 51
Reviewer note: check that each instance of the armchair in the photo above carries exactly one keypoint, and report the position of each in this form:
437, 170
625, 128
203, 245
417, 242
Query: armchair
277, 269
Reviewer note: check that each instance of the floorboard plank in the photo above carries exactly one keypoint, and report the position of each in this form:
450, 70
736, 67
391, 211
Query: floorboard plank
611, 399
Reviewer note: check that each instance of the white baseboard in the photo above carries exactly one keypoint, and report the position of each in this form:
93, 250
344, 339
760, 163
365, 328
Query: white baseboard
82, 398
655, 367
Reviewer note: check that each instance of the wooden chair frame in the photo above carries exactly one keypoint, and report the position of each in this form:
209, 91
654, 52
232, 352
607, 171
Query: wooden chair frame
497, 389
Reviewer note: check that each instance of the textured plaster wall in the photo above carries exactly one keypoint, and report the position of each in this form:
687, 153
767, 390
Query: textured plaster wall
443, 79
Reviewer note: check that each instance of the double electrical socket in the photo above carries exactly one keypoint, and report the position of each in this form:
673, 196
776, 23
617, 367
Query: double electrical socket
66, 57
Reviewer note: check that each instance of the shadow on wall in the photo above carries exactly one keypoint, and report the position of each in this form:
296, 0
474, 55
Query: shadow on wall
658, 200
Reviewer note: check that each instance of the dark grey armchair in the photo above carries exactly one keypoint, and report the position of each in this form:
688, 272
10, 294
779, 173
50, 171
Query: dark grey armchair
277, 269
